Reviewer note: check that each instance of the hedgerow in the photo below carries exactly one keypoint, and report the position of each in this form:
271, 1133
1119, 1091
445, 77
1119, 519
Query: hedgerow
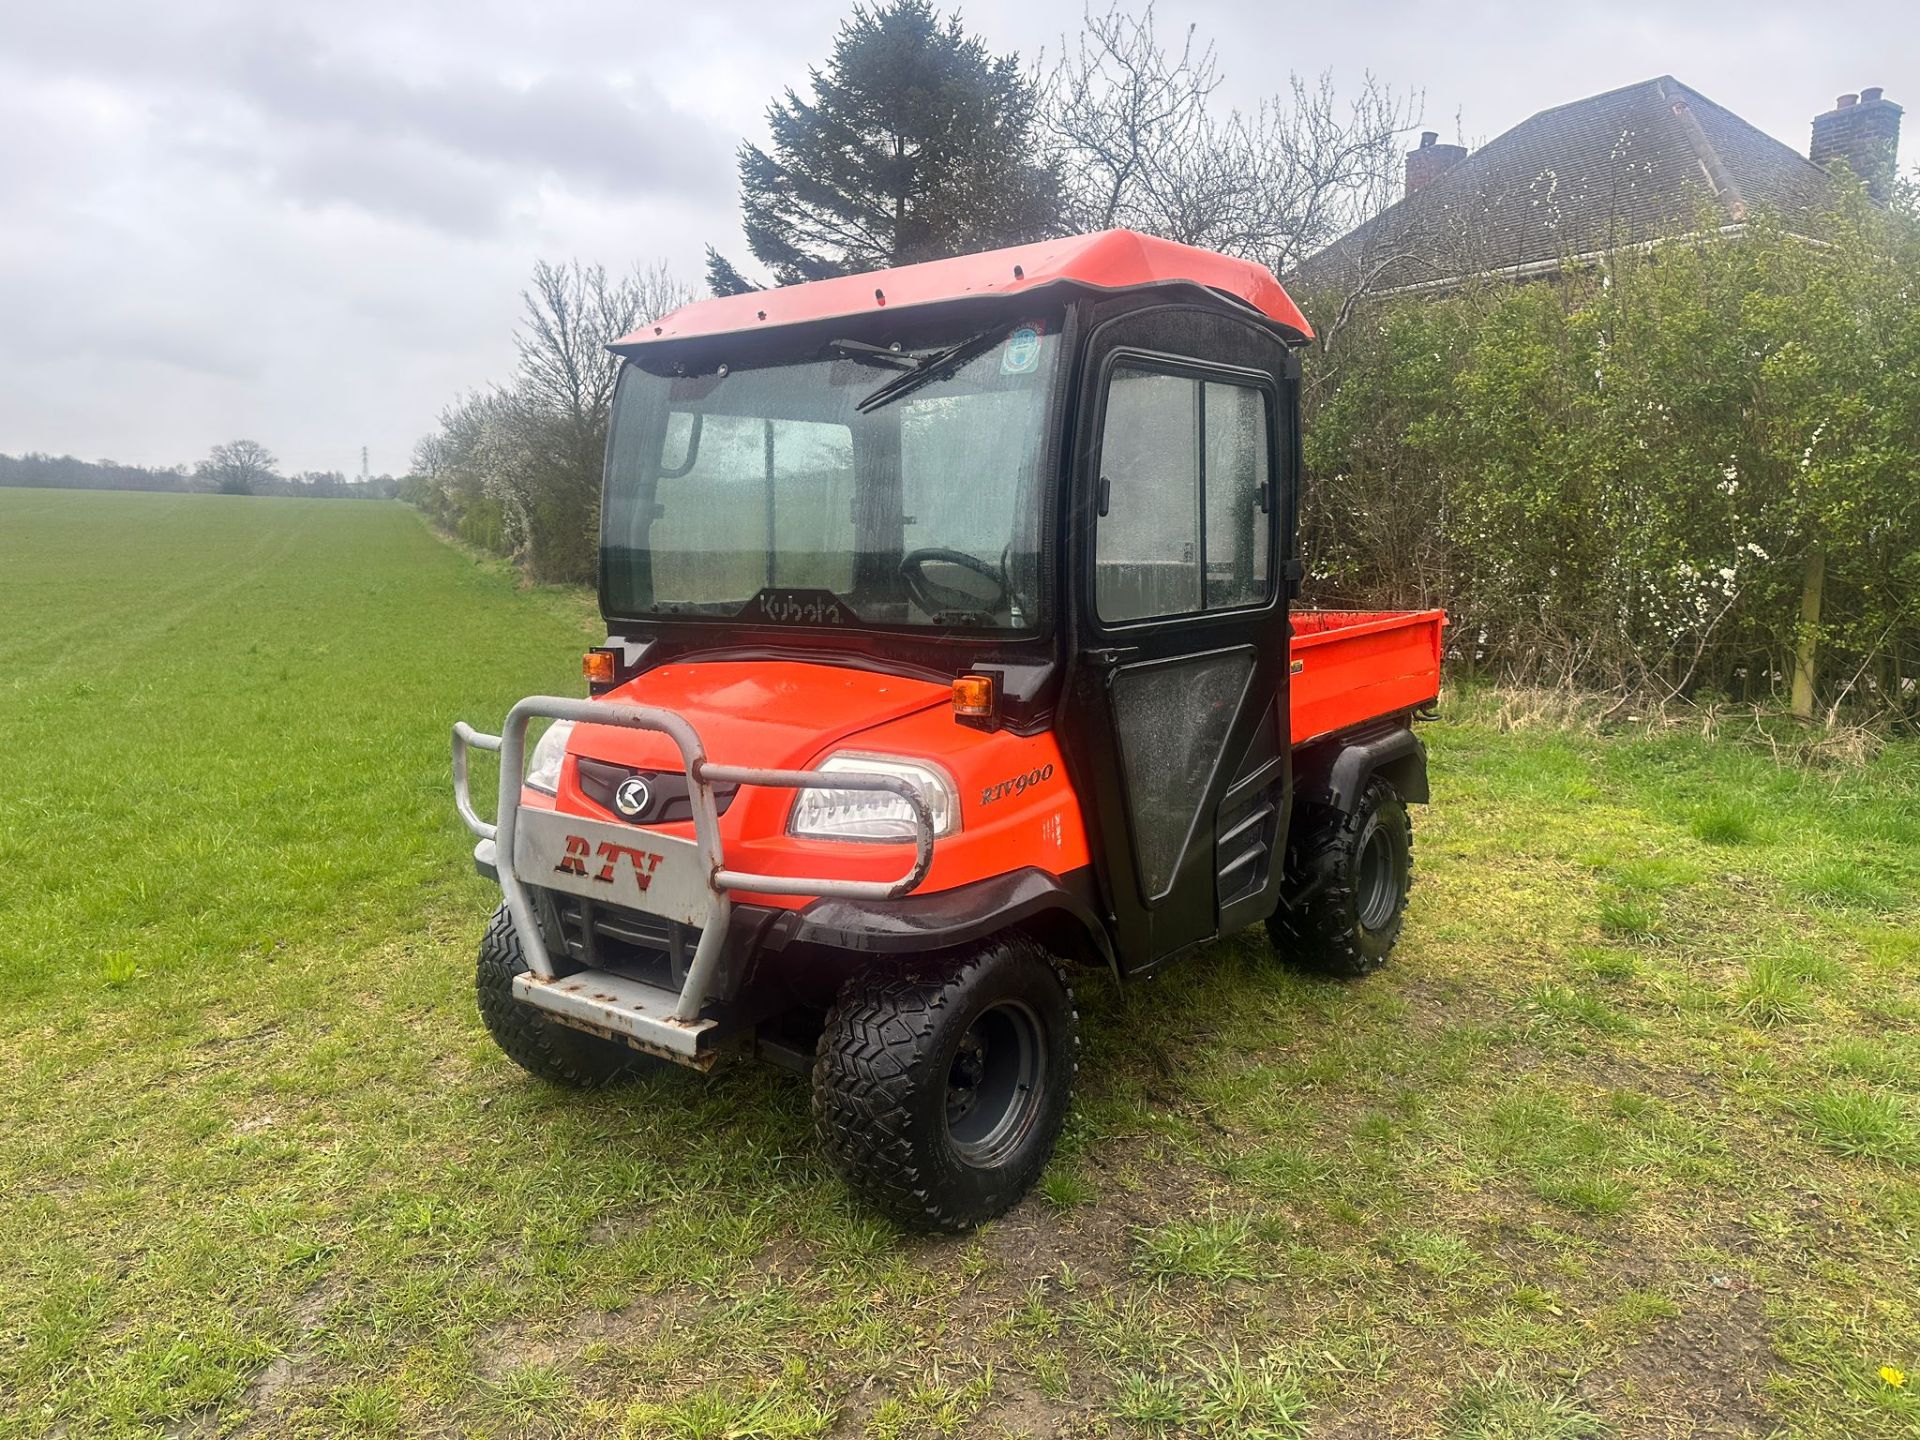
1688, 471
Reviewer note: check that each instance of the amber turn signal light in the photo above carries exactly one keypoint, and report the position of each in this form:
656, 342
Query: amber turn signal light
598, 667
973, 697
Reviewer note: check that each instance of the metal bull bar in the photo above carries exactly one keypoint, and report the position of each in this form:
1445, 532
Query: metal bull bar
642, 869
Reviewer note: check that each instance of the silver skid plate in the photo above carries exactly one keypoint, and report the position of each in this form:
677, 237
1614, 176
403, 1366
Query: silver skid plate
622, 1009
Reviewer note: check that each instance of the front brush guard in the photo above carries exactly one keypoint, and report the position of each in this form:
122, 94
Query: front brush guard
680, 880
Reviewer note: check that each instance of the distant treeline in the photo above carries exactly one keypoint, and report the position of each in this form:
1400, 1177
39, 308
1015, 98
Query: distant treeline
68, 472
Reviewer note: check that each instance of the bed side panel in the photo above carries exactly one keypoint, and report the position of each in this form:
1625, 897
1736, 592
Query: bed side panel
1351, 666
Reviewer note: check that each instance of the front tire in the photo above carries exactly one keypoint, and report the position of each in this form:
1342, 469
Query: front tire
538, 1045
940, 1088
1357, 867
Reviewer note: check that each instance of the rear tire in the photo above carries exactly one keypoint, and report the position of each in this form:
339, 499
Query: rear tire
538, 1045
1358, 868
939, 1088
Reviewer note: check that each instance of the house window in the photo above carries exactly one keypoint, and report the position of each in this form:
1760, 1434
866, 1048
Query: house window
1184, 496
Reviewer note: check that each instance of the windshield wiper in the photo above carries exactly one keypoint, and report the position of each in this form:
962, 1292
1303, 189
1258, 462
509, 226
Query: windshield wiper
872, 354
936, 366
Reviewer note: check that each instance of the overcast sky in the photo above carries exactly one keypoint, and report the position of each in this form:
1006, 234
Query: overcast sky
307, 223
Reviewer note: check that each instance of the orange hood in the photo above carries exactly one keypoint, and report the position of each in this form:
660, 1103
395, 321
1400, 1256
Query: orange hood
776, 713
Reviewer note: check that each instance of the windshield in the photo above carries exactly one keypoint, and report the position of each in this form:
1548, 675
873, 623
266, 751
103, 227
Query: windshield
861, 484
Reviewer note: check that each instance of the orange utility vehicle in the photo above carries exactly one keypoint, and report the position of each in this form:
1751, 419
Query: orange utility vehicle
950, 650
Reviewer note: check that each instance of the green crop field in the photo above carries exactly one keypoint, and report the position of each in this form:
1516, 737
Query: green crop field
1626, 1140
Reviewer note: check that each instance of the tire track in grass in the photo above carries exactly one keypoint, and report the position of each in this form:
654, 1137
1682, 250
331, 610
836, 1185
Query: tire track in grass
28, 596
159, 615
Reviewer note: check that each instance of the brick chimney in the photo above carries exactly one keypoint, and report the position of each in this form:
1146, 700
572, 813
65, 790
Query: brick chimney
1863, 130
1432, 159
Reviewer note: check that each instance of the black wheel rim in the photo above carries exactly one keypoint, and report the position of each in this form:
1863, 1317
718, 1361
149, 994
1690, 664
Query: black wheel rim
993, 1085
1379, 884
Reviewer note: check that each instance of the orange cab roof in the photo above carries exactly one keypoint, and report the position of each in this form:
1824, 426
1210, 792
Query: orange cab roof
1108, 260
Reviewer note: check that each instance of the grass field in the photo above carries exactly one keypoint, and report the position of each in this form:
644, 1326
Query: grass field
1626, 1141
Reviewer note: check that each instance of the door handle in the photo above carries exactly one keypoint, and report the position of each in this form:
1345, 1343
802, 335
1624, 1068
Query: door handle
1111, 658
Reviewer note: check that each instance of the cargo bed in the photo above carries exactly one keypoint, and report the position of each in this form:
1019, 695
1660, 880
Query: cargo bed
1350, 666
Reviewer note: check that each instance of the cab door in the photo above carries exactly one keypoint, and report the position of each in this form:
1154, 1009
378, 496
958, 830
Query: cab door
1182, 526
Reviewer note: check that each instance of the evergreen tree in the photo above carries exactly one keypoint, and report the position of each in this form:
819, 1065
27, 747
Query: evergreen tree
916, 143
724, 277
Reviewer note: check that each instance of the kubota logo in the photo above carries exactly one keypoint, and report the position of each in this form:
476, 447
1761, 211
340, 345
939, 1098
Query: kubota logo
633, 797
580, 854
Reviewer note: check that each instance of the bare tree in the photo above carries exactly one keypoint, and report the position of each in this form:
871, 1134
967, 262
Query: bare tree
571, 315
1116, 103
1143, 145
518, 468
238, 466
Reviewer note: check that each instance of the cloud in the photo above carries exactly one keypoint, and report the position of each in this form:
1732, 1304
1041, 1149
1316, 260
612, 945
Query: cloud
615, 135
310, 223
322, 120
399, 178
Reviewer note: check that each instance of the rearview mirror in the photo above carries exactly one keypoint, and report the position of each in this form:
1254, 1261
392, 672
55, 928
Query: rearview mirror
683, 438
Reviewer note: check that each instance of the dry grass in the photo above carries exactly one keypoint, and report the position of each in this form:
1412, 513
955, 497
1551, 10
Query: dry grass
1831, 742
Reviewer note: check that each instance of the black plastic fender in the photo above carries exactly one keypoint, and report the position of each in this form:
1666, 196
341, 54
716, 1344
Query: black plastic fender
1029, 898
1335, 770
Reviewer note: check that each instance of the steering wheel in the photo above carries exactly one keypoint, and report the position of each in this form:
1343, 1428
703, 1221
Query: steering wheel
937, 599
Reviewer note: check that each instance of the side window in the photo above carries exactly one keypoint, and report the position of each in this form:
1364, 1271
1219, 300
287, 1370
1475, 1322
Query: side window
1184, 496
1234, 476
1147, 538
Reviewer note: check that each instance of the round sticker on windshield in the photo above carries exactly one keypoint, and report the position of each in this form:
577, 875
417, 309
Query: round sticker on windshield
1022, 353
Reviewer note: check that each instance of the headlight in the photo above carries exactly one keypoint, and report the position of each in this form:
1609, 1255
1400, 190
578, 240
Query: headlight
543, 773
828, 814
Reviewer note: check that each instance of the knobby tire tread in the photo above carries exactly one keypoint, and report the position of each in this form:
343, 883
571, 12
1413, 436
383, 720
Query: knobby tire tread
542, 1047
866, 1087
1323, 933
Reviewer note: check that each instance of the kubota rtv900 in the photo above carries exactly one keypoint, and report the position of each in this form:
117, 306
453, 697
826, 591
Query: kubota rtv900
949, 653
